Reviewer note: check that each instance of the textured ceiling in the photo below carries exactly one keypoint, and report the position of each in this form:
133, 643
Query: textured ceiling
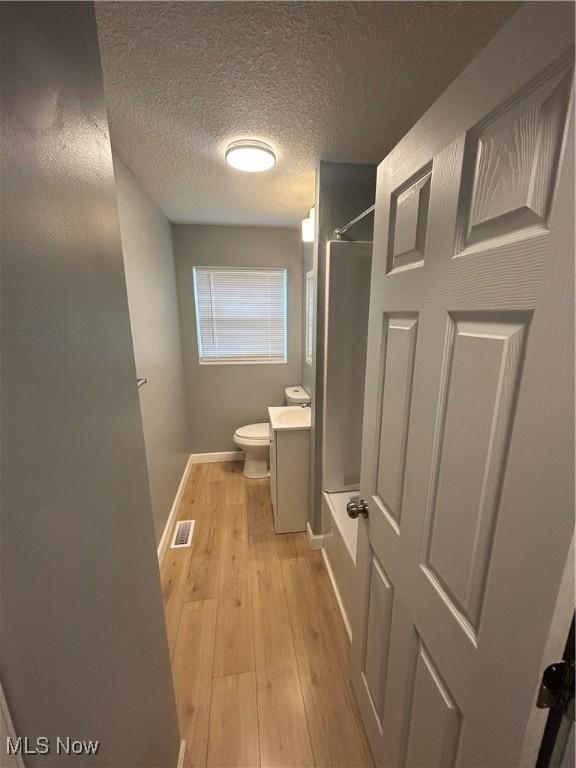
318, 81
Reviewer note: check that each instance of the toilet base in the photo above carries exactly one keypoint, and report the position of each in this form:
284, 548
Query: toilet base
255, 468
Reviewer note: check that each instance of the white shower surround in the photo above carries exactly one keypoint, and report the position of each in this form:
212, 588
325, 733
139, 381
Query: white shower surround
339, 539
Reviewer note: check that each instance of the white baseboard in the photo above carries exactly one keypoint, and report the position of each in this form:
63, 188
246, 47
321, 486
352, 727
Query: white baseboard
315, 540
208, 458
181, 754
163, 545
337, 594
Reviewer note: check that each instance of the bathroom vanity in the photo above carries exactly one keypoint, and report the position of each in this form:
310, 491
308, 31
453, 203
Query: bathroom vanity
289, 466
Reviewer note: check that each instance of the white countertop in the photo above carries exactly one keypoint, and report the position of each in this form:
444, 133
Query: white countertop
290, 417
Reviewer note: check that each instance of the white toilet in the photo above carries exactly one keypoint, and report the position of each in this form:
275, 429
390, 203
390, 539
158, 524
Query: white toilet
296, 396
254, 439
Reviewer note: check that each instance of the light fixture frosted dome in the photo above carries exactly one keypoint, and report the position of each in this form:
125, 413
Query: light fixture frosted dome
250, 156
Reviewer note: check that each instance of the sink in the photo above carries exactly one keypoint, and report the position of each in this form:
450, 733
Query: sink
295, 417
289, 417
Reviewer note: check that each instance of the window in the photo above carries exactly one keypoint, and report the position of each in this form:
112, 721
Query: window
309, 315
241, 315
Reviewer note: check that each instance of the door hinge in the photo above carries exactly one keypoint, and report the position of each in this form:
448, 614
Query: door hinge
557, 688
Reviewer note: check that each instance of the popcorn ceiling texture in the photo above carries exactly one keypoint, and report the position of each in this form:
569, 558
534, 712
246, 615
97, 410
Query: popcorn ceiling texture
323, 80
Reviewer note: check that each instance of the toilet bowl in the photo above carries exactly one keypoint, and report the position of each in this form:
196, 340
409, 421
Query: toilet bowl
254, 440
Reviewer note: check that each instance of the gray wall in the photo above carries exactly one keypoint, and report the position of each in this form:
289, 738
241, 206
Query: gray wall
222, 398
83, 647
343, 190
151, 283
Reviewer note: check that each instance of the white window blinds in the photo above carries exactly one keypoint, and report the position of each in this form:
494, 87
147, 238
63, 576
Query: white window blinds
240, 315
309, 315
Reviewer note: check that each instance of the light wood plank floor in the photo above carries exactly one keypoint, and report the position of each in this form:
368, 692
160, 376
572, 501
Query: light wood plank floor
259, 652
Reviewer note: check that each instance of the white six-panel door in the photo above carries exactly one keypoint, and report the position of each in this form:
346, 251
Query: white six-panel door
467, 458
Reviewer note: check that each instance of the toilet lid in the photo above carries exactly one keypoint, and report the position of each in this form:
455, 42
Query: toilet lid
296, 394
255, 432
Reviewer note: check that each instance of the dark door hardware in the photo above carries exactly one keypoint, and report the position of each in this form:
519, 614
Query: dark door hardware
557, 695
557, 689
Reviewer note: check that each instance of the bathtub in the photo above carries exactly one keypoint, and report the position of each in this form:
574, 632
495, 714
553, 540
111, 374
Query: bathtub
339, 538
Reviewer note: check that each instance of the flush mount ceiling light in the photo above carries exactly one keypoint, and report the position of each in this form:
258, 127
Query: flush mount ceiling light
250, 156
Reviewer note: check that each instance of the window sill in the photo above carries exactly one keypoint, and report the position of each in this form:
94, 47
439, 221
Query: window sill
242, 362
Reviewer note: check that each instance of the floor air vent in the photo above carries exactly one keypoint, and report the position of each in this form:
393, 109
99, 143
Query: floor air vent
182, 534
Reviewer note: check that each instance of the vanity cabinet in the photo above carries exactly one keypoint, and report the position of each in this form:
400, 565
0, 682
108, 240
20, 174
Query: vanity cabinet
289, 478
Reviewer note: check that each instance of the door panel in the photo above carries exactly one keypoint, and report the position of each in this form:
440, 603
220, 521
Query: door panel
514, 154
483, 365
409, 222
400, 344
434, 719
467, 456
380, 603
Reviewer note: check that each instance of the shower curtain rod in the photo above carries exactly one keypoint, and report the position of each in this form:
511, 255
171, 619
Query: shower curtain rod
342, 230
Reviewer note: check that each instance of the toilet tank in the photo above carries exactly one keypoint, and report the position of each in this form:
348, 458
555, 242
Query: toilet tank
296, 395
